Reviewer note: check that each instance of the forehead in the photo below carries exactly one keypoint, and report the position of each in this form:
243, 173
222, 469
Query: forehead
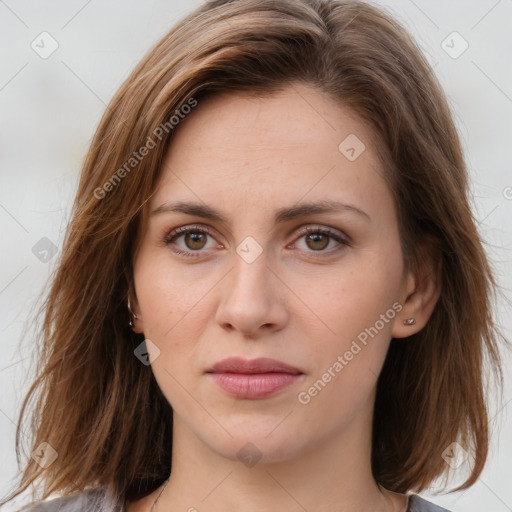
278, 148
296, 115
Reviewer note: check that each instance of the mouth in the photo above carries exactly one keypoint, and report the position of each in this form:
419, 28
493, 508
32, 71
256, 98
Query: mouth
252, 366
251, 379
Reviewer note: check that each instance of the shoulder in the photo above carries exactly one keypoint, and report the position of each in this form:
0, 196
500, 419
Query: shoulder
90, 500
419, 504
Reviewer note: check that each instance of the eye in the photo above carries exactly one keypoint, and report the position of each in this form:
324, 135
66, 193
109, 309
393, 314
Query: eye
194, 240
318, 239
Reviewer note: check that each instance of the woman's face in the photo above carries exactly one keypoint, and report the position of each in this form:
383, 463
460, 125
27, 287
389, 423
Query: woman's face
249, 281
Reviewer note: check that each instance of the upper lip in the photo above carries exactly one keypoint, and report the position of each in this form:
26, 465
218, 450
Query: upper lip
259, 365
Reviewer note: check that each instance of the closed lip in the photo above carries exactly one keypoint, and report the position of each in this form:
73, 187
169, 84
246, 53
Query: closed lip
248, 366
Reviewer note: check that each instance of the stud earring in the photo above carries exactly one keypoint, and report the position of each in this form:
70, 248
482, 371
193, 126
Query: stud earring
133, 316
409, 321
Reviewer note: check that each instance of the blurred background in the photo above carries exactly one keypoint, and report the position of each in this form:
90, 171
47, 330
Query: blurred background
60, 64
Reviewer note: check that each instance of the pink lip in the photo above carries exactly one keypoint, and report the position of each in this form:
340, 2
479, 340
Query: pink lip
256, 378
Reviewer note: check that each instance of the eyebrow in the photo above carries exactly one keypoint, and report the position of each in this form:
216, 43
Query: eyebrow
280, 216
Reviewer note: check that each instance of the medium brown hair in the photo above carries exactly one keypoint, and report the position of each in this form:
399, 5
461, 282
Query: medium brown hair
102, 410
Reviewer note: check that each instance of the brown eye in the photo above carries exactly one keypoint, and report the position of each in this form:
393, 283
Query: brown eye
317, 241
194, 240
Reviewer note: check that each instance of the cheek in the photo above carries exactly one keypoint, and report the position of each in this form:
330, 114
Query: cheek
347, 363
169, 303
168, 297
358, 309
347, 301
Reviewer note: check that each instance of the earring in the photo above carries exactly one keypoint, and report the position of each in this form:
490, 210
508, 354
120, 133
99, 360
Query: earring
409, 321
133, 316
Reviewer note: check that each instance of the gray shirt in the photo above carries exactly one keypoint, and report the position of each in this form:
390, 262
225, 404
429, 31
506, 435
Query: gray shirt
91, 500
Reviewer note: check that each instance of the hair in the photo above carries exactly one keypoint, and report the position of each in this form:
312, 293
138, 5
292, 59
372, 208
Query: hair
102, 410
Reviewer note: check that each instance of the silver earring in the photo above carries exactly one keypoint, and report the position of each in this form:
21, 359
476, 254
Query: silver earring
133, 316
409, 321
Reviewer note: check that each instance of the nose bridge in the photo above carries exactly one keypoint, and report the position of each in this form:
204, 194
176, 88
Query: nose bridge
250, 297
250, 276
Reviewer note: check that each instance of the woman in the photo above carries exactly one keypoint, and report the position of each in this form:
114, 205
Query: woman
272, 294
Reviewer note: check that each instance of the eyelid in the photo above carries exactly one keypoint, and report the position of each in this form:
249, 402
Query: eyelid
209, 231
334, 233
189, 227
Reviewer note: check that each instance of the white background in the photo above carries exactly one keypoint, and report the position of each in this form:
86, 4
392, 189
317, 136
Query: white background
51, 107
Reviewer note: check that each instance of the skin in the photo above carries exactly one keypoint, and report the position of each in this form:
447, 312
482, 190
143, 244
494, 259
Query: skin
248, 157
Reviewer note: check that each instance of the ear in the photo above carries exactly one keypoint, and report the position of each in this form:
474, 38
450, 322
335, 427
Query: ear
135, 314
420, 293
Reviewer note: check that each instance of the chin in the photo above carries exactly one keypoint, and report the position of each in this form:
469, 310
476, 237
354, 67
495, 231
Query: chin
255, 441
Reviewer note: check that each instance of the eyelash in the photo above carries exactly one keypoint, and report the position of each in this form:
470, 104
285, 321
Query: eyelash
176, 233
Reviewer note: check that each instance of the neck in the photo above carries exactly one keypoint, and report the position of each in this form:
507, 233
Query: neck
335, 474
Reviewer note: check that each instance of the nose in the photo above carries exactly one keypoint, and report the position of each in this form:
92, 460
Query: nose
253, 298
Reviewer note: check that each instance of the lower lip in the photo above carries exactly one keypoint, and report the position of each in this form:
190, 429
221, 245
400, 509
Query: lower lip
254, 385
